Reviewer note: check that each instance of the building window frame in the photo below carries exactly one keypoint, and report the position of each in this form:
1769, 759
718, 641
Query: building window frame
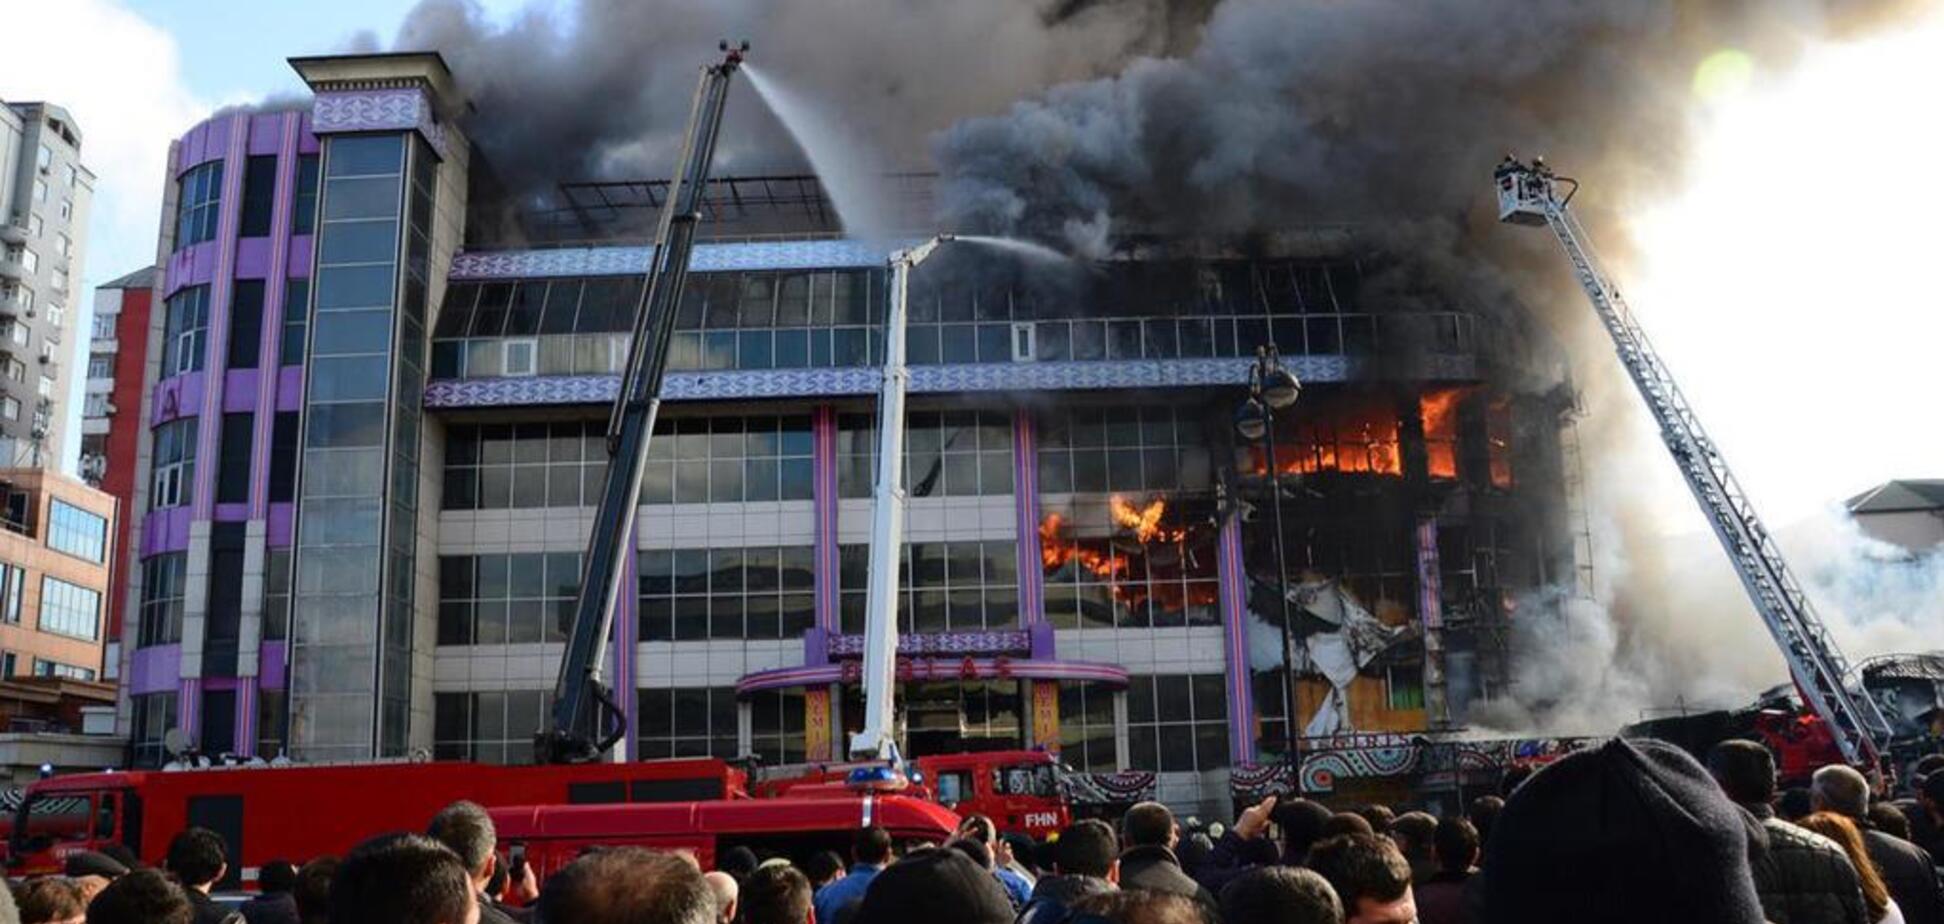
69, 609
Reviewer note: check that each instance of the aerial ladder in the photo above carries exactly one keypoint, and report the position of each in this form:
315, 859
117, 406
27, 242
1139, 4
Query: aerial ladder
1530, 194
586, 720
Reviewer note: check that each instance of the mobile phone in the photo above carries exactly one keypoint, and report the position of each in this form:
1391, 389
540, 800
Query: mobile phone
516, 861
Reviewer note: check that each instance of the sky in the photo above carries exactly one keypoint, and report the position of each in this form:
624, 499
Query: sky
1787, 284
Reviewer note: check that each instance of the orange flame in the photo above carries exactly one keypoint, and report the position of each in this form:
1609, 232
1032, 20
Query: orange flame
1145, 522
1358, 437
1438, 410
1097, 558
1498, 441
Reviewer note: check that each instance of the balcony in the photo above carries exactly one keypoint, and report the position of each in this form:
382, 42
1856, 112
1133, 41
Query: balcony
12, 268
13, 233
16, 304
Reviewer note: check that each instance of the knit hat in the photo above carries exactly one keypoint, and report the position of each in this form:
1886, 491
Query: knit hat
90, 863
937, 887
1631, 831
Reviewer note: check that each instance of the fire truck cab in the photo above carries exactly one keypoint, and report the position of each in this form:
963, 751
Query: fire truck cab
1020, 791
264, 812
553, 835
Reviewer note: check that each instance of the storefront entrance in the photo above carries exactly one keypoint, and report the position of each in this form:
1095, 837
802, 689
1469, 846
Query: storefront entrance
952, 717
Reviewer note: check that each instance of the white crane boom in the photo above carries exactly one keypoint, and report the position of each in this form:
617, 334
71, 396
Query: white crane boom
1529, 195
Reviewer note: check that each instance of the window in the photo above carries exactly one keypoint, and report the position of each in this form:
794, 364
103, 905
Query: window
948, 454
63, 246
246, 323
163, 582
67, 210
757, 592
29, 260
34, 224
13, 583
524, 465
58, 281
259, 194
47, 387
101, 367
233, 459
40, 190
947, 586
55, 312
94, 406
18, 333
196, 210
9, 664
10, 408
174, 465
76, 532
69, 175
687, 722
1177, 722
776, 720
698, 460
1087, 726
43, 668
283, 457
519, 357
69, 609
276, 594
16, 370
24, 298
153, 715
507, 599
45, 158
491, 728
103, 327
185, 325
1404, 687
1129, 563
304, 219
296, 309
1102, 450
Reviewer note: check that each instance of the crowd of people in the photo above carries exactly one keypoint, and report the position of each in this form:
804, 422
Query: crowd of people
1631, 831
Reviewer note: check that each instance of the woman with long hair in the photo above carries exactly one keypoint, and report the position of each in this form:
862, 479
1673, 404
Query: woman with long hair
1876, 896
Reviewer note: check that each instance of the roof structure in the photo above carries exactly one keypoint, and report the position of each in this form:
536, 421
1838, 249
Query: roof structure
1899, 496
143, 278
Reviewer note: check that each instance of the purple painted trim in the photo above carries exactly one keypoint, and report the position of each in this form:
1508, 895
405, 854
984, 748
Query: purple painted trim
277, 526
1026, 509
177, 397
273, 663
937, 643
232, 513
189, 706
816, 646
220, 684
290, 388
244, 744
165, 530
192, 265
216, 343
270, 341
252, 258
154, 669
239, 391
823, 453
1042, 639
300, 255
1234, 591
945, 669
1430, 586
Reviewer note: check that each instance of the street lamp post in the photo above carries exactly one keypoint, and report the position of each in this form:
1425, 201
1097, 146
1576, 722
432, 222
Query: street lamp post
1273, 388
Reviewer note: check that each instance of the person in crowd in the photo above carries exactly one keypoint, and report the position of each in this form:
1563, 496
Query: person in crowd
1794, 804
403, 879
1280, 895
1413, 833
1800, 878
823, 868
313, 890
727, 893
980, 829
1343, 823
934, 887
1379, 816
1086, 861
198, 859
1144, 907
1441, 896
1849, 838
1512, 780
1906, 867
775, 895
1482, 812
50, 900
93, 863
144, 896
465, 827
870, 852
1301, 822
1021, 857
273, 903
1927, 824
1148, 860
1197, 855
737, 861
627, 885
1634, 830
1891, 820
1370, 877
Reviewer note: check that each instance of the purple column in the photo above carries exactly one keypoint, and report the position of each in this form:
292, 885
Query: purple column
1235, 642
189, 706
216, 348
1026, 511
823, 460
246, 732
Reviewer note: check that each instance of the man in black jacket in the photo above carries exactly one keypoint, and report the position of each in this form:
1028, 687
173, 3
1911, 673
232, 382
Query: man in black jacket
1149, 861
467, 829
1085, 862
198, 859
1802, 877
1906, 867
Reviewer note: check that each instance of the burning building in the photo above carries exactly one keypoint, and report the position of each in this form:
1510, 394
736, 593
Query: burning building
400, 419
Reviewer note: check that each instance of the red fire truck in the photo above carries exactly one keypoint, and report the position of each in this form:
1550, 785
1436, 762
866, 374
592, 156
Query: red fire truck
553, 835
1021, 791
299, 812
